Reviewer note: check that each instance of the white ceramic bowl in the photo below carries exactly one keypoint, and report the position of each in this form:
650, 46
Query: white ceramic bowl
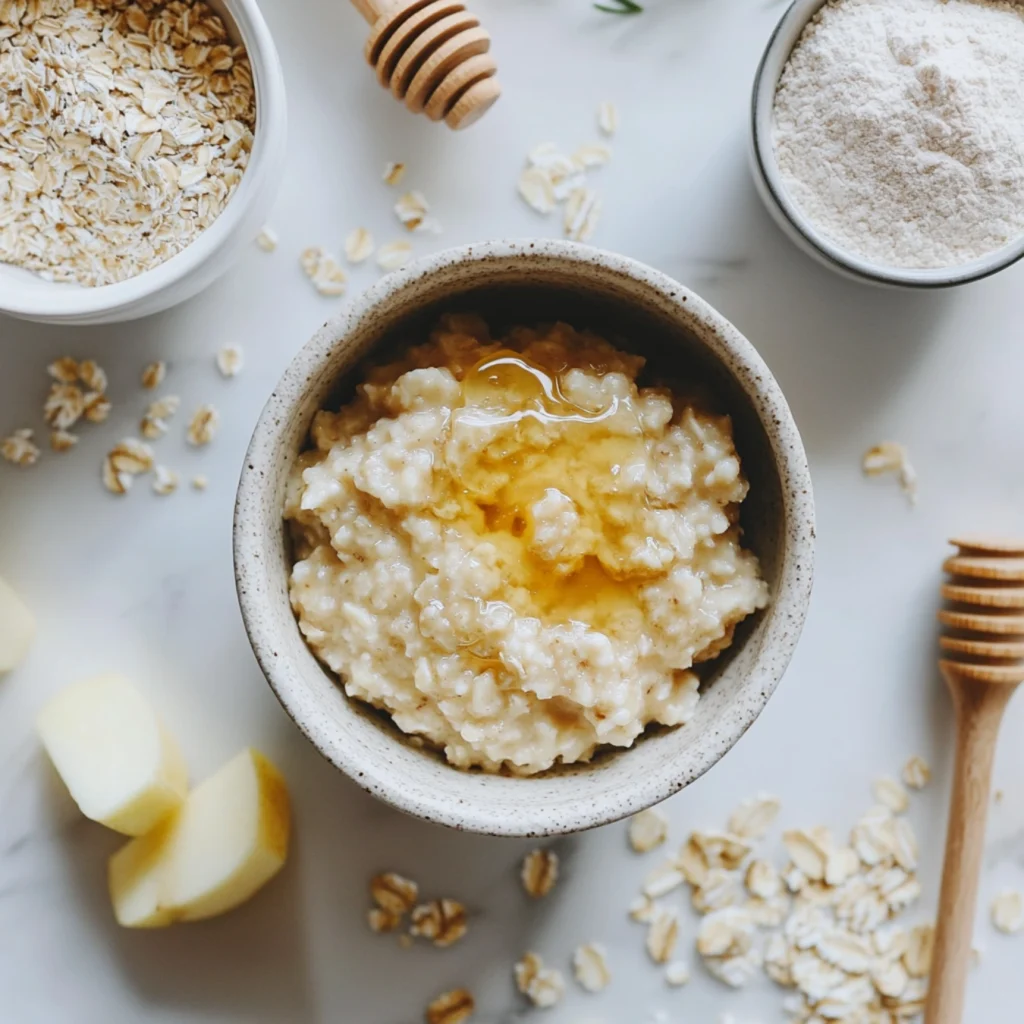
788, 216
526, 282
25, 295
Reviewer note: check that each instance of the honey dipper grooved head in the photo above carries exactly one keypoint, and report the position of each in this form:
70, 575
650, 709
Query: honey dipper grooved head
433, 54
983, 638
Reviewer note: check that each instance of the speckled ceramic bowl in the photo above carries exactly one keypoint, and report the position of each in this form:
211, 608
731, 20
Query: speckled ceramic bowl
644, 311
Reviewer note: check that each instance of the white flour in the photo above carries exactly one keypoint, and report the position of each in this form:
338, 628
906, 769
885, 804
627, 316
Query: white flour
899, 128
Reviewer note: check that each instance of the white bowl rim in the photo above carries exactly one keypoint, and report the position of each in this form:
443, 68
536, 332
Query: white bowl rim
789, 607
766, 80
68, 301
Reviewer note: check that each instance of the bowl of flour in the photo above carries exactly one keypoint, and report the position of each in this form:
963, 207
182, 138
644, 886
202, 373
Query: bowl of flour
888, 137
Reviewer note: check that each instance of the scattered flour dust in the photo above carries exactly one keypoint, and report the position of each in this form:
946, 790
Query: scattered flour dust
899, 128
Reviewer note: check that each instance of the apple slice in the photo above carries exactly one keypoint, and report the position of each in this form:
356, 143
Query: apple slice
17, 628
121, 765
226, 842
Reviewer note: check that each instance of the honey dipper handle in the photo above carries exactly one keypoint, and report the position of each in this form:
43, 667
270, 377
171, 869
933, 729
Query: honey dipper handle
371, 10
979, 710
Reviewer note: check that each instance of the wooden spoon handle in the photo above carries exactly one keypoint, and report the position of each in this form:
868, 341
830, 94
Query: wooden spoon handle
979, 710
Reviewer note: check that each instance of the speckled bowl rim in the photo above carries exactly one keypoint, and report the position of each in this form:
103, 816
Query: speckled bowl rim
788, 610
800, 229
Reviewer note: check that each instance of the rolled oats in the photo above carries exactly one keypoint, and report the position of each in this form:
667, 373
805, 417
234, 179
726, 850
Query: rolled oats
753, 818
663, 879
762, 879
230, 360
889, 793
153, 375
594, 154
608, 117
543, 986
267, 238
441, 921
394, 255
165, 481
154, 423
539, 872
1008, 912
199, 483
537, 189
379, 919
892, 457
64, 370
643, 909
92, 375
324, 271
125, 461
202, 428
662, 935
62, 440
97, 407
916, 773
358, 245
453, 1007
582, 210
411, 209
393, 173
917, 957
64, 406
647, 830
590, 967
124, 137
677, 973
394, 892
19, 448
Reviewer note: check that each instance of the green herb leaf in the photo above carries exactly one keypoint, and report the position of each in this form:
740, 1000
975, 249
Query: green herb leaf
620, 7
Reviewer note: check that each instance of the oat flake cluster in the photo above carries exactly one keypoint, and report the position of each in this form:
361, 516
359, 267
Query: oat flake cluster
124, 129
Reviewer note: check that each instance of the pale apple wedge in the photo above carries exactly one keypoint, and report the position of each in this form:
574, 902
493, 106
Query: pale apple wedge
17, 628
120, 764
225, 843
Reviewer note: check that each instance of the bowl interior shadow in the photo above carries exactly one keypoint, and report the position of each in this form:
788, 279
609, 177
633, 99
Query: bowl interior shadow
671, 331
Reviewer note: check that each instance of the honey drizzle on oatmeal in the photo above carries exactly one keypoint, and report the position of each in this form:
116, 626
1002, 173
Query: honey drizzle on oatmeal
585, 461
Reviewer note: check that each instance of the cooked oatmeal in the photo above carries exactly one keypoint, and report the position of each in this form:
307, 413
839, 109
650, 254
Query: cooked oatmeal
514, 550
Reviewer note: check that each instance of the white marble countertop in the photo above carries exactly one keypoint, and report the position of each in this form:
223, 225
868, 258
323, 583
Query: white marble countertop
144, 584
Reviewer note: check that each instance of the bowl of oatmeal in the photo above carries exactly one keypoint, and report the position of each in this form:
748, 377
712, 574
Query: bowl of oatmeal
151, 165
524, 538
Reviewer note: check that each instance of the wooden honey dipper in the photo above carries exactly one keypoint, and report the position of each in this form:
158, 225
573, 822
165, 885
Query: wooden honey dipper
432, 54
982, 663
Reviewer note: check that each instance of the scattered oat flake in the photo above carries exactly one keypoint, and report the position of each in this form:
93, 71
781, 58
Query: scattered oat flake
891, 794
123, 462
892, 457
543, 986
64, 370
643, 909
443, 922
267, 238
165, 481
753, 818
358, 245
153, 375
92, 375
203, 426
1008, 912
394, 255
647, 830
394, 892
324, 271
411, 209
154, 423
661, 880
230, 360
379, 919
582, 210
97, 407
662, 934
537, 190
677, 973
62, 440
452, 1007
539, 872
199, 483
19, 448
590, 967
393, 173
594, 154
64, 406
916, 773
608, 118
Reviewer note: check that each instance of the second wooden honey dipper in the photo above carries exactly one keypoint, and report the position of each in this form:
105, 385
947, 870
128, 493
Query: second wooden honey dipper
433, 55
983, 663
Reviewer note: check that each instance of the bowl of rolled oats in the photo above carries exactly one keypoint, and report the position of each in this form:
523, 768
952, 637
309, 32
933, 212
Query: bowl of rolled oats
524, 538
141, 145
